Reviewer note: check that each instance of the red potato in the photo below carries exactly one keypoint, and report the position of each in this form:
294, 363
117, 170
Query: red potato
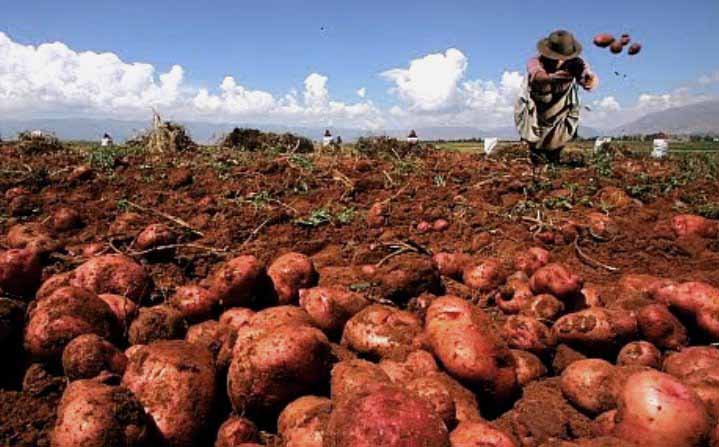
237, 317
331, 307
689, 360
705, 382
642, 284
241, 281
440, 225
596, 328
423, 226
211, 335
303, 422
269, 319
273, 369
417, 364
154, 236
634, 48
194, 303
31, 236
605, 422
603, 40
290, 273
64, 219
588, 385
532, 260
236, 431
480, 434
124, 309
685, 225
16, 191
69, 312
449, 399
351, 377
528, 334
696, 299
616, 47
557, 280
125, 223
451, 264
529, 366
625, 39
514, 295
115, 274
155, 323
544, 307
97, 414
88, 355
20, 272
655, 409
485, 276
82, 172
387, 416
405, 277
176, 383
380, 331
661, 327
640, 353
466, 342
376, 216
614, 197
53, 283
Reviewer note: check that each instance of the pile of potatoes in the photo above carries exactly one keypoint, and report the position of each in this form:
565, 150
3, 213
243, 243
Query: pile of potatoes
259, 354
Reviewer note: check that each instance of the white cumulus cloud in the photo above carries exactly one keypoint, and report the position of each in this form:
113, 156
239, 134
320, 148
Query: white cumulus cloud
361, 92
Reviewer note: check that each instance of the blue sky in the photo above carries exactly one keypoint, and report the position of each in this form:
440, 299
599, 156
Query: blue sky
272, 46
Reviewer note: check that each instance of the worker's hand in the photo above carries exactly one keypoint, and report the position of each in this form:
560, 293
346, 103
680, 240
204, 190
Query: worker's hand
590, 81
561, 76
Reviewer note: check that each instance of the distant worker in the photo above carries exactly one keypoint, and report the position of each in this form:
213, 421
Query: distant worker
412, 137
106, 140
547, 110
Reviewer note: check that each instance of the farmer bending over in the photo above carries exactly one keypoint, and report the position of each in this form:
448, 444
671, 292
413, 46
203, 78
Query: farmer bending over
547, 110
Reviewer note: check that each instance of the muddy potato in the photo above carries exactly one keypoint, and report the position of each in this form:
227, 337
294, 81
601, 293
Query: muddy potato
696, 299
485, 276
154, 236
705, 382
31, 236
20, 272
691, 225
241, 281
596, 328
96, 414
514, 295
640, 353
557, 280
64, 219
634, 49
176, 383
528, 334
351, 377
387, 416
194, 303
478, 433
405, 277
588, 385
661, 327
54, 321
88, 355
211, 335
16, 191
604, 423
236, 317
155, 323
303, 422
236, 431
603, 40
656, 409
22, 206
466, 342
268, 320
290, 273
115, 274
531, 260
451, 264
124, 309
543, 307
417, 364
380, 331
376, 215
449, 399
331, 307
529, 366
642, 284
688, 360
125, 223
277, 367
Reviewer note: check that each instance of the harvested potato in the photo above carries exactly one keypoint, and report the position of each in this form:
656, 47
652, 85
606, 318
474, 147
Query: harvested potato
237, 317
88, 355
96, 414
115, 274
641, 284
176, 383
596, 328
303, 422
351, 377
696, 299
417, 364
380, 331
194, 303
125, 223
485, 276
531, 260
241, 281
290, 273
277, 367
124, 309
480, 433
20, 272
451, 264
688, 360
154, 323
655, 409
515, 295
528, 334
543, 307
661, 327
690, 225
69, 312
450, 400
31, 236
529, 366
211, 335
640, 353
64, 219
155, 236
466, 342
376, 215
235, 431
405, 277
269, 319
588, 385
331, 307
557, 280
605, 422
387, 416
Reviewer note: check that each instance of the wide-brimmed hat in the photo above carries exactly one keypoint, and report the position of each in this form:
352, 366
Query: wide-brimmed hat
560, 45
